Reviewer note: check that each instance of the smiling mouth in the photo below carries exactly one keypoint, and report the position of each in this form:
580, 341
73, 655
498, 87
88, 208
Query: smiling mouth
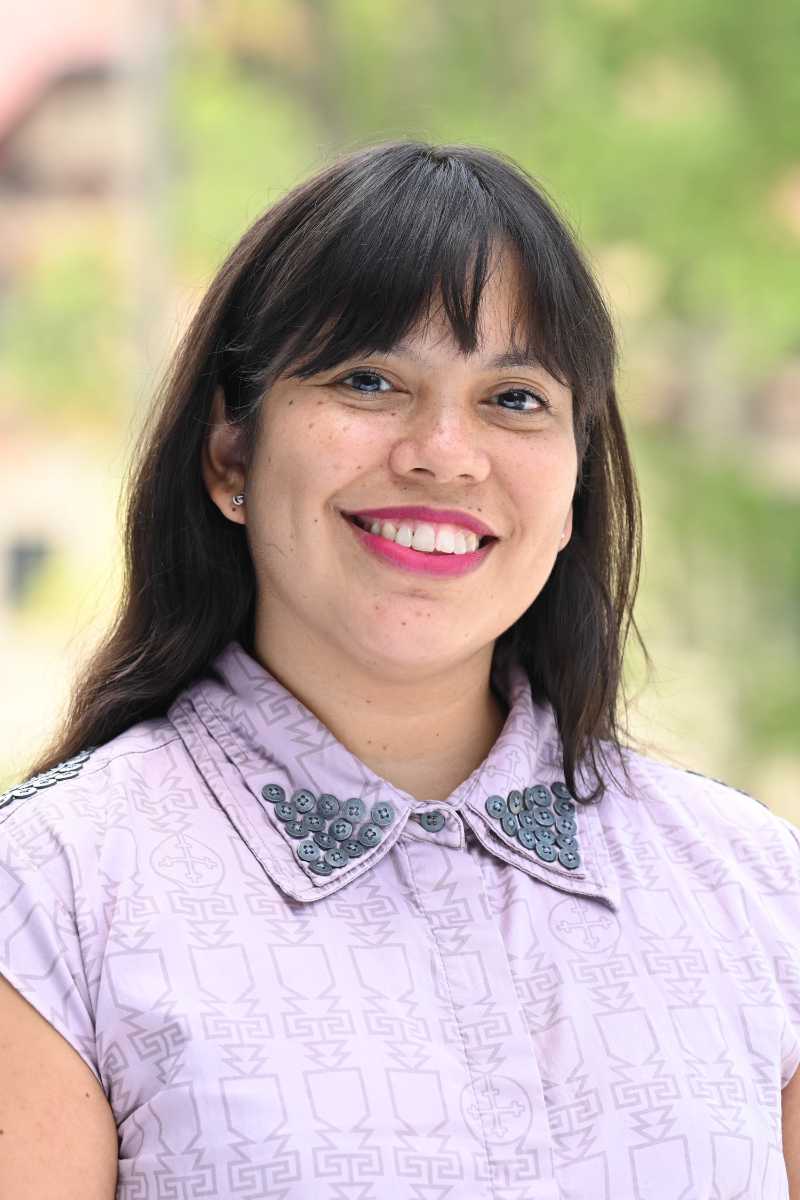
440, 540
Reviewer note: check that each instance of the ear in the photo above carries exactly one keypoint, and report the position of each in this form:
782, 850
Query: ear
223, 461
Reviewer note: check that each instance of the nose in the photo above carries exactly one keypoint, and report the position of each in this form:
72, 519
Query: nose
443, 439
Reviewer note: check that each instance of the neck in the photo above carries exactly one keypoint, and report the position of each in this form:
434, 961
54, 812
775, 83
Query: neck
424, 735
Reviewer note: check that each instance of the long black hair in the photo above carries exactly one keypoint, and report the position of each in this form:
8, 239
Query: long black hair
347, 263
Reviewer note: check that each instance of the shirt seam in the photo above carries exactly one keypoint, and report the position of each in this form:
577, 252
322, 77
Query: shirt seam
94, 768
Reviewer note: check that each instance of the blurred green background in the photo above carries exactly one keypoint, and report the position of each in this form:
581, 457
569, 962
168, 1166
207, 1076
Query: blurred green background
138, 141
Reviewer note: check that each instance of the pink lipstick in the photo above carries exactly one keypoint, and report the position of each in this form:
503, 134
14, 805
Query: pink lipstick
447, 565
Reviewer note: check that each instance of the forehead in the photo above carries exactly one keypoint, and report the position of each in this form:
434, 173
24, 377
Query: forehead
501, 326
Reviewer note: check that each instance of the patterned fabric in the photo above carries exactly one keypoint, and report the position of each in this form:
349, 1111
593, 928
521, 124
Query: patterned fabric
445, 1016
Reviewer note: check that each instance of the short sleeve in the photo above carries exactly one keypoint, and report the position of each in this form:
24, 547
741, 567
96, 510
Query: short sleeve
787, 948
40, 950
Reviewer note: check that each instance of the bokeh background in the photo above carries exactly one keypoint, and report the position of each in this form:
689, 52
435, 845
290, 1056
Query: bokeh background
139, 138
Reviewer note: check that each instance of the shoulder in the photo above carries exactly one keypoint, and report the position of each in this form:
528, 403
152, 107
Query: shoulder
58, 821
701, 819
683, 786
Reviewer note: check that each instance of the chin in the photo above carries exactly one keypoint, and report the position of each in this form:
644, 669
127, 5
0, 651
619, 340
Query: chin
405, 649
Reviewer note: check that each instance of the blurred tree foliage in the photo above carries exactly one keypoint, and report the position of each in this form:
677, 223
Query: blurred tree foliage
673, 125
62, 340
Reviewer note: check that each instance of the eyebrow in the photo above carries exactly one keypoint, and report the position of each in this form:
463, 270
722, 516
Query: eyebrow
514, 356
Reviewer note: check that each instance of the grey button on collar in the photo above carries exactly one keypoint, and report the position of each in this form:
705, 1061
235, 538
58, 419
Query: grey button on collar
328, 832
542, 819
433, 820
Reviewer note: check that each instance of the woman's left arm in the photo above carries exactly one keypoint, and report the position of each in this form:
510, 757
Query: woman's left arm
790, 1100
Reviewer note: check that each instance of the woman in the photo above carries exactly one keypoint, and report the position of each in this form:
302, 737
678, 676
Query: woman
340, 880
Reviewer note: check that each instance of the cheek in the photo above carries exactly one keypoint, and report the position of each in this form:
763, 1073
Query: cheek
308, 453
542, 485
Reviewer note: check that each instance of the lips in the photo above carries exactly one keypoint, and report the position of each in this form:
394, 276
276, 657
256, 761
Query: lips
435, 565
435, 516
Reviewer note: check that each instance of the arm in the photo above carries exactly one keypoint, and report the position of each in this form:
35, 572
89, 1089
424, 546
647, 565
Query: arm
790, 1097
58, 1136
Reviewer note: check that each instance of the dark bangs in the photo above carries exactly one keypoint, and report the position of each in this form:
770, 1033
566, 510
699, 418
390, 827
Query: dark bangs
365, 251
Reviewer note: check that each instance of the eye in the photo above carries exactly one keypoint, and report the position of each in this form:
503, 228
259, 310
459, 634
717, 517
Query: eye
370, 377
519, 396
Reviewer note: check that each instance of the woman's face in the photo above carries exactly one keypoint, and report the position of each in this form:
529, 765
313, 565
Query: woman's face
420, 426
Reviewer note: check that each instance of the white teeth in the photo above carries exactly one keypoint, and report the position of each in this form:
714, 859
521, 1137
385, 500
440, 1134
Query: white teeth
445, 540
424, 536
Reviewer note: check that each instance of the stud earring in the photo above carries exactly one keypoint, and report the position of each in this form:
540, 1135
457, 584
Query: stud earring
238, 500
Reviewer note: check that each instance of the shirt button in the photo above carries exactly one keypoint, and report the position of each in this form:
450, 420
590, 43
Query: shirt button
314, 822
369, 835
340, 829
527, 837
432, 821
273, 792
285, 810
567, 825
352, 848
382, 814
325, 840
304, 800
510, 824
561, 790
321, 867
309, 852
514, 801
546, 852
569, 859
328, 805
567, 843
543, 817
546, 836
526, 819
354, 809
336, 857
496, 806
296, 829
536, 795
564, 808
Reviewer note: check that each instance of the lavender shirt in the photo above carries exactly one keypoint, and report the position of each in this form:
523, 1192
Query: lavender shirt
456, 1013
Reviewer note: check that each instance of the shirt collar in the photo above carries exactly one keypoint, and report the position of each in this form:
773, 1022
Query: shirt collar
269, 739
